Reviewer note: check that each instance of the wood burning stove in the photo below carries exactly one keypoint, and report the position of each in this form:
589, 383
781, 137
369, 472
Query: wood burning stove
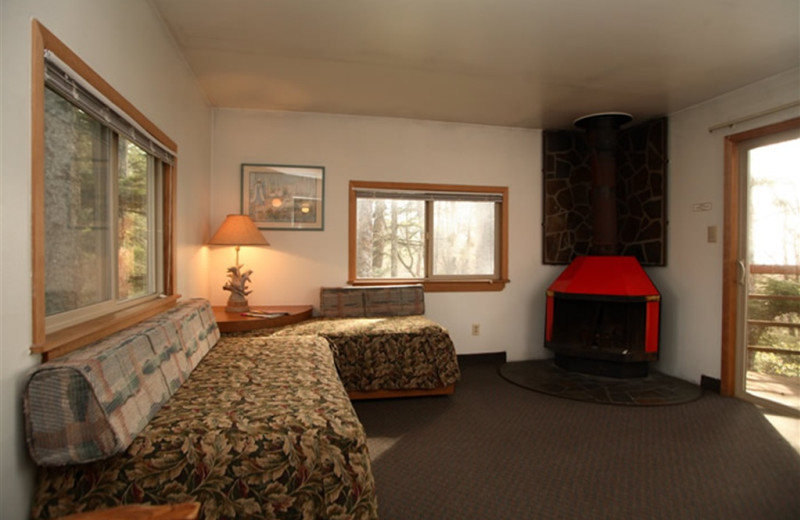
603, 316
603, 311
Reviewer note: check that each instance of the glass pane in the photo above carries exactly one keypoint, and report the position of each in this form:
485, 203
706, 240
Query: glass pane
133, 254
390, 238
463, 238
773, 303
774, 204
76, 210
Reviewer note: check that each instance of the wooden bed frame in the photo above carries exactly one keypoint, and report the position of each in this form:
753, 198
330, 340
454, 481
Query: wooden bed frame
393, 394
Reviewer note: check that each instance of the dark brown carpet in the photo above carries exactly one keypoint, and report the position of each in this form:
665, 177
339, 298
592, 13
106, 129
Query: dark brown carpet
655, 389
494, 451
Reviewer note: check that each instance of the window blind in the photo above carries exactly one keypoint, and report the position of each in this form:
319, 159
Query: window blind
63, 83
462, 196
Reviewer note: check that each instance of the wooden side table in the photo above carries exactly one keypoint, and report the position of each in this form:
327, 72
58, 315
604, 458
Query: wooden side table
235, 322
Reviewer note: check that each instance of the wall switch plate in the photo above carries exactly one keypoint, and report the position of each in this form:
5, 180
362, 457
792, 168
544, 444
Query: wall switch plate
712, 234
476, 329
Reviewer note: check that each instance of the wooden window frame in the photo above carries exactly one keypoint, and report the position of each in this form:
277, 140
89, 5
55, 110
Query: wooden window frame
51, 345
732, 245
431, 284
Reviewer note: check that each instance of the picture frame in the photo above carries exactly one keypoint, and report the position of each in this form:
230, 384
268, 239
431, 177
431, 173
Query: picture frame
281, 196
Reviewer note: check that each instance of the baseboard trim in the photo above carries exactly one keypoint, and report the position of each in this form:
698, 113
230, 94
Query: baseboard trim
482, 358
710, 383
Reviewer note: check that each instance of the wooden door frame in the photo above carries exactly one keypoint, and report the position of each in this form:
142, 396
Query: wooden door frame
732, 238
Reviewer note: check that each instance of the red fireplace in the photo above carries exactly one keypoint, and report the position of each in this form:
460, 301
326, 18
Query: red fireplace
603, 311
603, 317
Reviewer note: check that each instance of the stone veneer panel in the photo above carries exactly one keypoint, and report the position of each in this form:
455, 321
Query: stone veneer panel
641, 194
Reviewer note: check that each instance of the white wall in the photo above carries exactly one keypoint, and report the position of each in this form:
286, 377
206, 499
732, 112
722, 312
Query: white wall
363, 148
298, 263
125, 42
691, 283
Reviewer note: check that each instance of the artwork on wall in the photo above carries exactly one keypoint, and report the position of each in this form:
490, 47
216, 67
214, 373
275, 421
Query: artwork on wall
278, 196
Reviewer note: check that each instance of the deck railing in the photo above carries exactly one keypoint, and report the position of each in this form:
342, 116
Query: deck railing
774, 269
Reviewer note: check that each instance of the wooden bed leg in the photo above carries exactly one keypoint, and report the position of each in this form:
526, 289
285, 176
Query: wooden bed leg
183, 511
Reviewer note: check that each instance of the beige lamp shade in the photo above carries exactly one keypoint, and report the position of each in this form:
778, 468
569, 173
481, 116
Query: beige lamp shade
238, 230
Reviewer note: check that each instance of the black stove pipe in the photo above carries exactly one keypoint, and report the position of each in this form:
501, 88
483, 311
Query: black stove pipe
601, 132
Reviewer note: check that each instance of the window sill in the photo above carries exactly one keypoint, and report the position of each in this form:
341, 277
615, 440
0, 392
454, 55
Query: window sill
440, 286
72, 338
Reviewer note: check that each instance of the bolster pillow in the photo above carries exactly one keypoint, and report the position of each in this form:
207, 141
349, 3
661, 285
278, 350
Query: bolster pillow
91, 403
365, 302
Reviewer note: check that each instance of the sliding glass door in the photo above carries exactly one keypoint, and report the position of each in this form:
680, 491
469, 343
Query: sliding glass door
768, 350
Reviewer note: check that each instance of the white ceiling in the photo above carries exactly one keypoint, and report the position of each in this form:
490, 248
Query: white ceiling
526, 63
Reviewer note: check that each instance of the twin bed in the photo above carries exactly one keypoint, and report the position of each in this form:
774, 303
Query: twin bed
394, 356
262, 428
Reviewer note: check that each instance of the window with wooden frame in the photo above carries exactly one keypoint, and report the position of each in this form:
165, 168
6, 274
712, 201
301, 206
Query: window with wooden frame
103, 181
447, 237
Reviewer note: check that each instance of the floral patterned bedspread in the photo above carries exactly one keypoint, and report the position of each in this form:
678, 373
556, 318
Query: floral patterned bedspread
388, 353
262, 429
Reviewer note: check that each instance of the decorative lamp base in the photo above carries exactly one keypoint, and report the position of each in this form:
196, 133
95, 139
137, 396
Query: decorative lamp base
237, 303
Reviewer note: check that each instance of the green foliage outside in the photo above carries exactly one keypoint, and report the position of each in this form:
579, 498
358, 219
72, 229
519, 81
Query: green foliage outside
79, 171
783, 310
132, 223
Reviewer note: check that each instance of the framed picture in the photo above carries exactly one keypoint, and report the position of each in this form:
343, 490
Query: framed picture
278, 196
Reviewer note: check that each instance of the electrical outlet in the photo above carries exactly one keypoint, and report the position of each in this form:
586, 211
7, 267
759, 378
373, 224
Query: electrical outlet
476, 329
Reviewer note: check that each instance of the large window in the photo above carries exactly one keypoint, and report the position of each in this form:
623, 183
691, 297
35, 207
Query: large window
448, 237
100, 217
103, 195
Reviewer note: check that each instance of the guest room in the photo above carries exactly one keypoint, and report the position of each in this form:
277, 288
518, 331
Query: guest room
472, 150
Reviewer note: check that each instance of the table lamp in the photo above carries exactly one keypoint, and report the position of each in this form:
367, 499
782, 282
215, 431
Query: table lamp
238, 230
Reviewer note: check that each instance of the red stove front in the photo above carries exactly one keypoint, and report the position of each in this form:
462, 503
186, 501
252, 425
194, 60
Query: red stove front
603, 316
